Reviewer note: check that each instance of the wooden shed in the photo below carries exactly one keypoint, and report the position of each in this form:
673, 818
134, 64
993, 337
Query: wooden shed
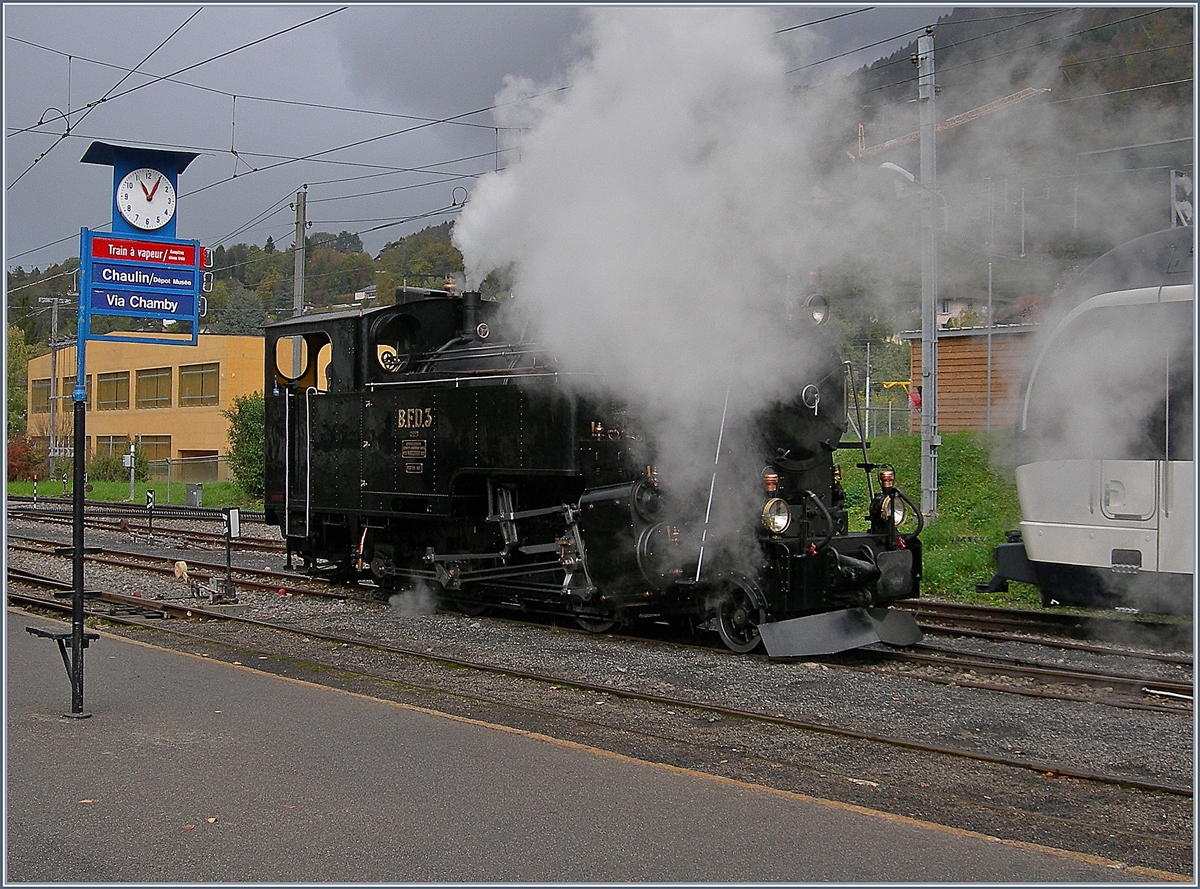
962, 375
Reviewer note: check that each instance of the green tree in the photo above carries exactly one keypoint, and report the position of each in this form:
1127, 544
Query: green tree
242, 313
342, 242
245, 416
19, 353
423, 259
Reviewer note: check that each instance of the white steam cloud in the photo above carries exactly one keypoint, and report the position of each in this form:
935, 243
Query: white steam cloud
654, 217
420, 599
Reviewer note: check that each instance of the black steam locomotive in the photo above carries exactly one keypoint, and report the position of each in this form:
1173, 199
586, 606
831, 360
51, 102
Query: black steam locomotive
420, 446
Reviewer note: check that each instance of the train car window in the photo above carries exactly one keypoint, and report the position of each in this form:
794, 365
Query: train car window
303, 360
395, 339
326, 378
1104, 390
291, 357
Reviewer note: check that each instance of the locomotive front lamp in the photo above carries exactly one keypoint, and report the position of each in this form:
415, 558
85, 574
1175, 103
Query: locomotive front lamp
818, 308
776, 515
888, 507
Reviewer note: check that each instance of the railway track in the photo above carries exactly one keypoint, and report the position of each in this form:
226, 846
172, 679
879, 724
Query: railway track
1128, 691
58, 506
184, 538
134, 611
1085, 630
946, 666
199, 571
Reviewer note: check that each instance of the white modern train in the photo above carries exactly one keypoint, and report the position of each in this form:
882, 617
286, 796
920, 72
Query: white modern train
1105, 469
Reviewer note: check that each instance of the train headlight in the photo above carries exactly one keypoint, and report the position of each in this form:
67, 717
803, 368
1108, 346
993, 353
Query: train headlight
888, 508
818, 309
776, 515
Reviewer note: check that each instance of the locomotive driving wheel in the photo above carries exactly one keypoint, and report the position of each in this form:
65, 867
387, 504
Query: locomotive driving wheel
595, 623
469, 607
738, 617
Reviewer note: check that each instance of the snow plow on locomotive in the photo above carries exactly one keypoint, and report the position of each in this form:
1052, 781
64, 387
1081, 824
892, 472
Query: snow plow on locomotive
419, 446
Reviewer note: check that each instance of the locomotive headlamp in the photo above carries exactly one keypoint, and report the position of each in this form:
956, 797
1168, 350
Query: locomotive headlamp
888, 507
776, 515
818, 308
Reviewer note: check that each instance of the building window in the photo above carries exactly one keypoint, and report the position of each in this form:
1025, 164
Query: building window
112, 391
154, 387
39, 397
155, 447
68, 391
198, 384
107, 445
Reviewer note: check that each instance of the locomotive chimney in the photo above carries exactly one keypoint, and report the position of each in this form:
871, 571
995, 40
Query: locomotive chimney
472, 327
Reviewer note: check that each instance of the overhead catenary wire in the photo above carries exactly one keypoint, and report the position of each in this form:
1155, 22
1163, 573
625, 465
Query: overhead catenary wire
245, 97
105, 97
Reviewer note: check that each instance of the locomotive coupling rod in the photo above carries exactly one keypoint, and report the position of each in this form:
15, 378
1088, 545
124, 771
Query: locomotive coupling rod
528, 513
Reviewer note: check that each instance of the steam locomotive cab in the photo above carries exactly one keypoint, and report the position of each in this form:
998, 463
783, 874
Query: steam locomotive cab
416, 445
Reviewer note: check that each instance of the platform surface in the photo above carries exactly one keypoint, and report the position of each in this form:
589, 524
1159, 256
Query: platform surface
191, 770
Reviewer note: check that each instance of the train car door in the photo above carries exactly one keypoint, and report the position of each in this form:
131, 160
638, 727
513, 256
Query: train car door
297, 464
1130, 489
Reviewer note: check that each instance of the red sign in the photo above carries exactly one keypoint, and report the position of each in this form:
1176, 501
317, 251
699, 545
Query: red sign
127, 250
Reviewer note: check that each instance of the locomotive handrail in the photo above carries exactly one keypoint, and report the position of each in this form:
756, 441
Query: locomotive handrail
481, 375
829, 524
909, 538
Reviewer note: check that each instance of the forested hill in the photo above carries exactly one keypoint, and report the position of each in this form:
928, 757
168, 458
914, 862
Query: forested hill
987, 52
1106, 69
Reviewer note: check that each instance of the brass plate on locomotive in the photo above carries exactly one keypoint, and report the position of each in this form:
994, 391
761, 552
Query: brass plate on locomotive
414, 418
414, 449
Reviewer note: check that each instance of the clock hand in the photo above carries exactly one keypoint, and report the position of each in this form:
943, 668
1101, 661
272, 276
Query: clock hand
150, 194
146, 193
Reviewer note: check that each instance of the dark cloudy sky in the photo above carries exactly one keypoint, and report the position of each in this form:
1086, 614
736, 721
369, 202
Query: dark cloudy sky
383, 111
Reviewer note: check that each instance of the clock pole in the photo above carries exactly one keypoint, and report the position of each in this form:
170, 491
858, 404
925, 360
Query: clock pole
150, 213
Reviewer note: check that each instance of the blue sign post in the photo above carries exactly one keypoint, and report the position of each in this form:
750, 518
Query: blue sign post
141, 271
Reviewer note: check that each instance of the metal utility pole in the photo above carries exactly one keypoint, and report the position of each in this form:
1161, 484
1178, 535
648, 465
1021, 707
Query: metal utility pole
55, 302
927, 102
298, 277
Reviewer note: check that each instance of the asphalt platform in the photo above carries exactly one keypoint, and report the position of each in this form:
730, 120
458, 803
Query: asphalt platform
195, 771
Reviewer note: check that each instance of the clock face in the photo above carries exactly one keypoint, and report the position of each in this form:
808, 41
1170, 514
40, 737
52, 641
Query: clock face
146, 198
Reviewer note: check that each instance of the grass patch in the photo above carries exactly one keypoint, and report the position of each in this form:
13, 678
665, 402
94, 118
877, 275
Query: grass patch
977, 503
214, 495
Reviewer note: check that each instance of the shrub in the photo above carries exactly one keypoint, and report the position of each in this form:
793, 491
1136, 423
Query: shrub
25, 462
245, 416
106, 468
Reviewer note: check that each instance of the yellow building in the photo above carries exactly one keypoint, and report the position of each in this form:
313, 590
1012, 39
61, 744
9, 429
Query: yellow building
167, 399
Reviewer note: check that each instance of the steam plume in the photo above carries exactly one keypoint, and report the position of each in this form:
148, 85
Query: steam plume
656, 219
